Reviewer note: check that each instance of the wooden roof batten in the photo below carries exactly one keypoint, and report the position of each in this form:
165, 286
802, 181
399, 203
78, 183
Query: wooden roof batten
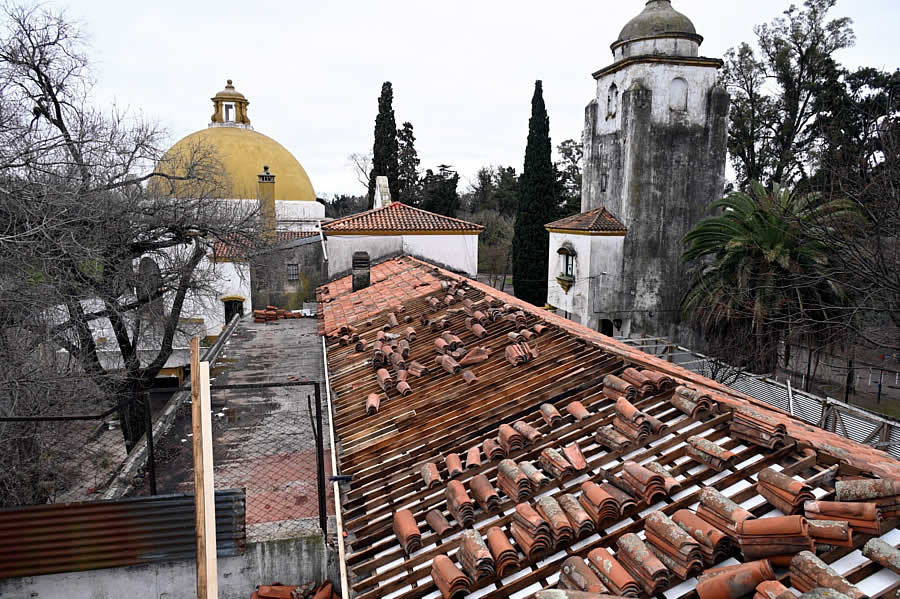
382, 452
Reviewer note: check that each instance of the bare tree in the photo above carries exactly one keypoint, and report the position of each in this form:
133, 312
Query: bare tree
362, 167
97, 239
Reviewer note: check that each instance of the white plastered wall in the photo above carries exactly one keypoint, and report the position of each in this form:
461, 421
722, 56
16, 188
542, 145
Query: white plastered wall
457, 252
575, 301
341, 248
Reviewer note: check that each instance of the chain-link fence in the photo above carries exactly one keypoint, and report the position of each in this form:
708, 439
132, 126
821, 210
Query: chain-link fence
58, 459
269, 438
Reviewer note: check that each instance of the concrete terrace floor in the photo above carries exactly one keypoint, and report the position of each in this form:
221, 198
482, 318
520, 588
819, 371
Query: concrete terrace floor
264, 437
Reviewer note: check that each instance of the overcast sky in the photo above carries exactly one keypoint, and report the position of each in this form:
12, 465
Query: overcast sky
463, 70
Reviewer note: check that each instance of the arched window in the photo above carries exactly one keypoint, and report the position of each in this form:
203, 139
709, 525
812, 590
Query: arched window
606, 327
566, 275
678, 94
612, 101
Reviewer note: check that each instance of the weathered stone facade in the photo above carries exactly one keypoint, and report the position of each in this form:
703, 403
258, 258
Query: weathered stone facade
654, 156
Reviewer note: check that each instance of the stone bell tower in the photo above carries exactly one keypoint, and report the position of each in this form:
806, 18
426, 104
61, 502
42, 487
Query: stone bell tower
654, 157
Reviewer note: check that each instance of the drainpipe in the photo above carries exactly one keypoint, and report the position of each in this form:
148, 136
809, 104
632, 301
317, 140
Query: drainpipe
790, 397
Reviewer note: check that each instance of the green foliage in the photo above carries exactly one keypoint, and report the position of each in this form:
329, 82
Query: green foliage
345, 205
409, 187
439, 194
498, 229
386, 148
495, 189
774, 91
568, 170
537, 207
758, 270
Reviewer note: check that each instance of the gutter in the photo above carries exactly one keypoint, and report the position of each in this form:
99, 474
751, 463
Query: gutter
336, 490
324, 248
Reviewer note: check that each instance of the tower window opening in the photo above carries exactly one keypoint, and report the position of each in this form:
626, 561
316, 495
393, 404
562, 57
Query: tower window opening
678, 95
229, 112
612, 101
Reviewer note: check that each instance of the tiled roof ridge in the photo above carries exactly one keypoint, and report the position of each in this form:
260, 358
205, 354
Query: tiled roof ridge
594, 223
398, 206
839, 448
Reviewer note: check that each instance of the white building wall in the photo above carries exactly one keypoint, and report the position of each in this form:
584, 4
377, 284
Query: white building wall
599, 264
576, 302
341, 247
456, 252
607, 269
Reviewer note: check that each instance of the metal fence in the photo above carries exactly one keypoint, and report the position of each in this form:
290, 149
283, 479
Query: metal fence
267, 436
838, 417
267, 441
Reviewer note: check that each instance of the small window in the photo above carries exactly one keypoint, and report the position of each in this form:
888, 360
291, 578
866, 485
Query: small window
612, 101
678, 95
293, 272
229, 112
569, 265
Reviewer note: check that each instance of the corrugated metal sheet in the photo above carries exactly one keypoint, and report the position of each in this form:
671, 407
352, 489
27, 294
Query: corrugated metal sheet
69, 537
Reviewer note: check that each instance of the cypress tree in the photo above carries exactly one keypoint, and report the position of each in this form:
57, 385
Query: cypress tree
384, 152
537, 207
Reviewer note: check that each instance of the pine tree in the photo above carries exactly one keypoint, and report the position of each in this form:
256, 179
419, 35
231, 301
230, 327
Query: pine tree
385, 150
408, 184
537, 207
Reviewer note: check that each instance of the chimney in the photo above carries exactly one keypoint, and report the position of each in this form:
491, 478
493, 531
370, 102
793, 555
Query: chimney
265, 193
382, 192
362, 274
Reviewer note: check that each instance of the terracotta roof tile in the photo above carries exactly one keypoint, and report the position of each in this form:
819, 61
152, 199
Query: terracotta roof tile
503, 413
238, 248
399, 218
598, 221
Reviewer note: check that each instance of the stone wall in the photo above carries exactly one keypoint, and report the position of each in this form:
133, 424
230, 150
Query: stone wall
655, 158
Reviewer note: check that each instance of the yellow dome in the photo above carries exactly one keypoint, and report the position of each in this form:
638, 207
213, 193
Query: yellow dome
242, 154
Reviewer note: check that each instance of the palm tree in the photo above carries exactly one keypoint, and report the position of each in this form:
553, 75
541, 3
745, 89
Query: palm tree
759, 271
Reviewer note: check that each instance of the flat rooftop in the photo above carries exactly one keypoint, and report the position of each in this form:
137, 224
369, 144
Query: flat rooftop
263, 432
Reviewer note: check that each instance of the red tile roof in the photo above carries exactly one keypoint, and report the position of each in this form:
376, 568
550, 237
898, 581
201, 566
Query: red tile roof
594, 221
399, 218
444, 418
239, 248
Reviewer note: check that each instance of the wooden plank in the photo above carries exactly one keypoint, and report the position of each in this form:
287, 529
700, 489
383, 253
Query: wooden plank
204, 491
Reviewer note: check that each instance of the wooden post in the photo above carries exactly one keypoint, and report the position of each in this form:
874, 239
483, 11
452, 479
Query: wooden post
204, 491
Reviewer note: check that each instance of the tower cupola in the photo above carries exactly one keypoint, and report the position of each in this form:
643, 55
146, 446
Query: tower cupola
658, 30
230, 108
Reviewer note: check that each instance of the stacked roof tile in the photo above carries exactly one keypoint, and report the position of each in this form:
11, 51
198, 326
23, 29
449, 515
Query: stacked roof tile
691, 467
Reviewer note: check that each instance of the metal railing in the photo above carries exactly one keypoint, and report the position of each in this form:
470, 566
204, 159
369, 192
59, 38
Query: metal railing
852, 422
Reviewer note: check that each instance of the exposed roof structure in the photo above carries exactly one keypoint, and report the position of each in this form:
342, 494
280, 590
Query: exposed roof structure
598, 221
422, 430
238, 249
397, 218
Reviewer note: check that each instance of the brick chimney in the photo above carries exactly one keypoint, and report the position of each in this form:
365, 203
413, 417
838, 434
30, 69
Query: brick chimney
265, 193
